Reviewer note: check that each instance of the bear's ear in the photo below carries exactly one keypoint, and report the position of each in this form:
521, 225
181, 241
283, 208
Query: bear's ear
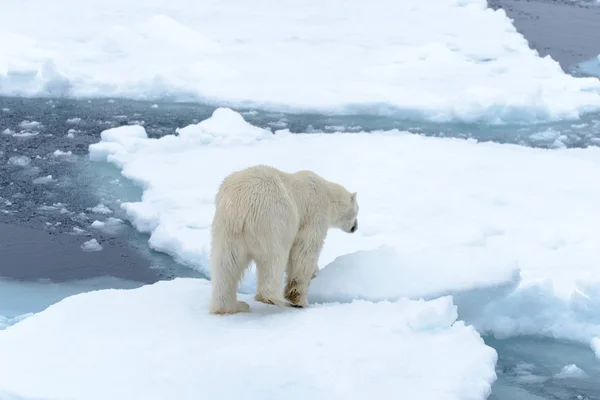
353, 197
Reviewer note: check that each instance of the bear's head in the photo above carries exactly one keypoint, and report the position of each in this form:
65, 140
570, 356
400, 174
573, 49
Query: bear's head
346, 212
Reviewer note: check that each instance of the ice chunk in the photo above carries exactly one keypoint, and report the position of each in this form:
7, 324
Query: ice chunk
571, 371
30, 125
71, 133
431, 66
111, 225
100, 209
20, 161
225, 126
348, 351
460, 216
59, 153
79, 231
91, 245
43, 180
74, 121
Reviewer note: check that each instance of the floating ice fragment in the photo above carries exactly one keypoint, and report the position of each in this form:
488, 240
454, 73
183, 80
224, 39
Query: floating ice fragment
100, 209
20, 161
110, 226
43, 180
59, 153
91, 245
571, 371
30, 124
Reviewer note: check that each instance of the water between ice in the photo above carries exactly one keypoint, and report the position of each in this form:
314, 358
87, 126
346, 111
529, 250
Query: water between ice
531, 368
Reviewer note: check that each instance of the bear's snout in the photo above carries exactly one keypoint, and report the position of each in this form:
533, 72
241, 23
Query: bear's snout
354, 227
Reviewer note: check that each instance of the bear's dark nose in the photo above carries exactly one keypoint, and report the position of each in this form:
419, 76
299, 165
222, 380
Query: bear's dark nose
354, 227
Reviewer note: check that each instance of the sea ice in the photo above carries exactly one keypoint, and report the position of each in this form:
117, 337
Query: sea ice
79, 231
110, 226
509, 231
91, 245
44, 180
419, 59
571, 371
20, 161
100, 209
30, 124
60, 153
159, 341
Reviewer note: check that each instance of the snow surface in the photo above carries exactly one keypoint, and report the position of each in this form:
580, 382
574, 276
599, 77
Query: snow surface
509, 231
417, 58
159, 342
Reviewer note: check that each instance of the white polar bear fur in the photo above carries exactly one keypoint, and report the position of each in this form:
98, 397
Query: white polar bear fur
278, 220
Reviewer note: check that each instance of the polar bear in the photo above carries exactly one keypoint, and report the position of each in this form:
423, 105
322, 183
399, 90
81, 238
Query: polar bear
278, 220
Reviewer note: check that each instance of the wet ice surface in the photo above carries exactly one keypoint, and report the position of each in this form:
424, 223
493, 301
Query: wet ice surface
48, 185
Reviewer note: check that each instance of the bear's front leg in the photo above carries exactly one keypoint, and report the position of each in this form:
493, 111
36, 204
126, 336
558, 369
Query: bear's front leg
302, 266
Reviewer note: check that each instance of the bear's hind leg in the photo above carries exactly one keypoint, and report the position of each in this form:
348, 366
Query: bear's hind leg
270, 270
228, 262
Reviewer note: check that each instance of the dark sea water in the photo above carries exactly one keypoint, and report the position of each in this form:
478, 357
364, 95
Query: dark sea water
49, 199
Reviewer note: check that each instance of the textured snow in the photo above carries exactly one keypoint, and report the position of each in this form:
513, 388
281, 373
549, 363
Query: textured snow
510, 232
417, 58
159, 341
